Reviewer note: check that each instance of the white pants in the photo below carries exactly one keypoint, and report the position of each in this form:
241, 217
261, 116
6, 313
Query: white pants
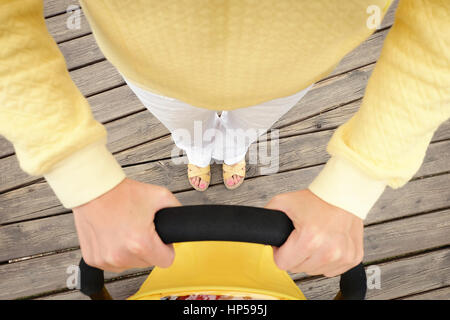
204, 136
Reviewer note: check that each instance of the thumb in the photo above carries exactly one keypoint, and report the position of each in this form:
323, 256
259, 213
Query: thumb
158, 253
166, 256
279, 203
164, 199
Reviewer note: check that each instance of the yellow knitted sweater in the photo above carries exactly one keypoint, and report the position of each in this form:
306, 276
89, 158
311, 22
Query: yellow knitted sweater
227, 54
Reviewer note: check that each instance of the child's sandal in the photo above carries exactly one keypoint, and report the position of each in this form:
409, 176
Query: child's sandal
203, 173
236, 169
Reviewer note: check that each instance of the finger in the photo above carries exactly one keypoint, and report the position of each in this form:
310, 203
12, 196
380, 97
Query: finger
132, 261
338, 271
332, 270
165, 254
358, 240
157, 252
328, 256
310, 266
126, 257
283, 202
341, 269
289, 254
165, 199
90, 249
277, 203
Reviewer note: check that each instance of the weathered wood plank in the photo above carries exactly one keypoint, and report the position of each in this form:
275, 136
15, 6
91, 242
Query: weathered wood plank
45, 235
81, 52
162, 148
55, 7
417, 196
57, 27
6, 148
121, 290
48, 272
438, 294
366, 53
96, 78
38, 200
328, 94
398, 278
411, 234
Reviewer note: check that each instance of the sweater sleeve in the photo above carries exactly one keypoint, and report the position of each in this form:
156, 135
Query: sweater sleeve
406, 99
43, 113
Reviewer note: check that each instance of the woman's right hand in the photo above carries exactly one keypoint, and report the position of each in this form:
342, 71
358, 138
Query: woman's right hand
116, 230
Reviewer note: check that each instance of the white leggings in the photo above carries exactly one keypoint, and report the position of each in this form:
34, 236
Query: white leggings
204, 136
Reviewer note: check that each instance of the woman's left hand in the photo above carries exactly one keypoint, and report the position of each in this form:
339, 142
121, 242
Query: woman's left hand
326, 240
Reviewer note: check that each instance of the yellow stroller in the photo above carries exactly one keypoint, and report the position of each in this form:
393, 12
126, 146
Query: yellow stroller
221, 250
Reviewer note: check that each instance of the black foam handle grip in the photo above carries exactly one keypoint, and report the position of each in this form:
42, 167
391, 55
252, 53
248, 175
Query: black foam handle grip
222, 223
91, 279
353, 284
244, 224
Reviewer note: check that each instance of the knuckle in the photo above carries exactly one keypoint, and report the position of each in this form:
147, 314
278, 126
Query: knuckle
349, 259
135, 246
277, 200
312, 238
335, 254
114, 259
164, 193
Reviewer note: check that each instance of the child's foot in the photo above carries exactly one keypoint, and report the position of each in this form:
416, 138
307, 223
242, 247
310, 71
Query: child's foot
233, 175
199, 177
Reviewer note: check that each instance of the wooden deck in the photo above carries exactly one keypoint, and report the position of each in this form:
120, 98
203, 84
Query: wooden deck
407, 233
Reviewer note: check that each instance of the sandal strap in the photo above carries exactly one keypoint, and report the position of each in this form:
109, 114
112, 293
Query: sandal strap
236, 169
202, 173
